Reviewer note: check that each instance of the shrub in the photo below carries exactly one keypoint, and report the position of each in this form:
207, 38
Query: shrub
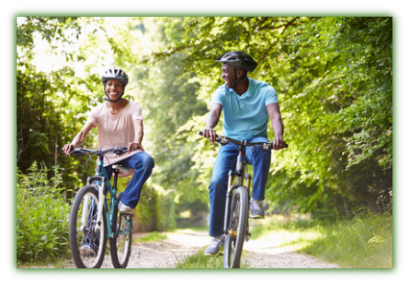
42, 216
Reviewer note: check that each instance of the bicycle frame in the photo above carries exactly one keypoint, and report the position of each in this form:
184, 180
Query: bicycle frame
101, 179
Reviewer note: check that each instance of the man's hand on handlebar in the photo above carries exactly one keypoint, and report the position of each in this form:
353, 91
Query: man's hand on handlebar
210, 133
278, 144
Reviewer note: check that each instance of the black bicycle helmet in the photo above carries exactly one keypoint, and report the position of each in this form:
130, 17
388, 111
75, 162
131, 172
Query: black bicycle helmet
115, 73
238, 59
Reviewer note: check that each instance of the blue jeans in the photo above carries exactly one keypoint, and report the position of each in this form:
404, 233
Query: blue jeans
143, 164
225, 161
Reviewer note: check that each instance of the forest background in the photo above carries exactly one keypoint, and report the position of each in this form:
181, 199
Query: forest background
333, 76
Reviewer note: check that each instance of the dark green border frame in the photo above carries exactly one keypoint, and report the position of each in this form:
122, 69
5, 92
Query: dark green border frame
358, 8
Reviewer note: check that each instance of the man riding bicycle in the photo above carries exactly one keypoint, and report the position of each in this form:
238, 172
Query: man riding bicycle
247, 104
119, 123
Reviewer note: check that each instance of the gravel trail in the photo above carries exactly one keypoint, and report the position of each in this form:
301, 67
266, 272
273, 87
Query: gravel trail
262, 253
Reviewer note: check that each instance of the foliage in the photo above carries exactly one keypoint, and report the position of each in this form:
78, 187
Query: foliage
52, 105
42, 215
165, 211
334, 82
145, 213
168, 98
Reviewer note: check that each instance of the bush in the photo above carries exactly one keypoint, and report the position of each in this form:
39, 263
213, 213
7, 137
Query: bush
42, 216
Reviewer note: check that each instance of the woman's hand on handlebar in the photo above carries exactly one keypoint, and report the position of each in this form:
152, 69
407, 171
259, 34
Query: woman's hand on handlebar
210, 133
67, 148
134, 146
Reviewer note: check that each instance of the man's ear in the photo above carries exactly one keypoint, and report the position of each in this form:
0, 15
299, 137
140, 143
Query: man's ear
240, 73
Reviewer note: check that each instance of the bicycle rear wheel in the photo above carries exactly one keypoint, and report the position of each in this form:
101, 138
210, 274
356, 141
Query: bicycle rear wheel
86, 241
233, 243
120, 244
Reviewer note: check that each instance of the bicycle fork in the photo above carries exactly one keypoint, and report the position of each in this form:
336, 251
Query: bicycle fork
229, 196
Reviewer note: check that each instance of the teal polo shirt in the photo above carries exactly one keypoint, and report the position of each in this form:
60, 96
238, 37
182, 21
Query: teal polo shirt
245, 116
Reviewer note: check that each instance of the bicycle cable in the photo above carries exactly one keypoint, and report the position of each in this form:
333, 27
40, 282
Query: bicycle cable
86, 163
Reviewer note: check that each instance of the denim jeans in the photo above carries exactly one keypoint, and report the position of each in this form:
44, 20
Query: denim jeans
143, 164
225, 161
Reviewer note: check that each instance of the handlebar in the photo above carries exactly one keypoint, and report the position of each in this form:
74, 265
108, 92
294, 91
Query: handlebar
82, 151
225, 140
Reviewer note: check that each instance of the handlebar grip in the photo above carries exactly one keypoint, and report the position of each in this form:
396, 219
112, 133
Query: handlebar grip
285, 146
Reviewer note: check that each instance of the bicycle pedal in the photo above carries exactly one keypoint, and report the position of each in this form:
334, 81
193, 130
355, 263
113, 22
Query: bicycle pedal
256, 218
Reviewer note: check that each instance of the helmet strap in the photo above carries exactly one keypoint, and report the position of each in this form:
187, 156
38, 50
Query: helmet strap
237, 80
106, 97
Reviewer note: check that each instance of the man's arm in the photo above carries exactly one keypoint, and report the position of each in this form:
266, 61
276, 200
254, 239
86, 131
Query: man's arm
79, 138
212, 120
277, 124
138, 129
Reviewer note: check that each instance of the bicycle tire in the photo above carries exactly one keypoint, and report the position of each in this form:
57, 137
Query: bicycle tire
80, 236
233, 243
120, 245
229, 240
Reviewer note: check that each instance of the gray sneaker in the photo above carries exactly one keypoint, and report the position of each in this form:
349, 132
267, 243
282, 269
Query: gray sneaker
87, 250
256, 209
215, 246
124, 208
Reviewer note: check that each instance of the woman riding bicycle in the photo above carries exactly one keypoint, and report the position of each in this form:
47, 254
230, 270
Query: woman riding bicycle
119, 123
247, 105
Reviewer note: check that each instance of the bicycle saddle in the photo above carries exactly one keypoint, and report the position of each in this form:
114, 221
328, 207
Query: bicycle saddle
124, 171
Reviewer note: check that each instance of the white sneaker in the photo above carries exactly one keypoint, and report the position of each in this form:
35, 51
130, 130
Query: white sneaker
215, 246
256, 209
124, 208
87, 250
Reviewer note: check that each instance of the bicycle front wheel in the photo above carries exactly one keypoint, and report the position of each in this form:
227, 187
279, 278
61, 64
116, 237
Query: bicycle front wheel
237, 225
120, 244
87, 241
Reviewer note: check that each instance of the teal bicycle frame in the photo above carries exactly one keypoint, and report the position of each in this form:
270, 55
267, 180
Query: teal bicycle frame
102, 182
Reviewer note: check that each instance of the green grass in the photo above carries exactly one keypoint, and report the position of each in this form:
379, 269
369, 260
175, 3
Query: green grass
199, 260
154, 236
363, 242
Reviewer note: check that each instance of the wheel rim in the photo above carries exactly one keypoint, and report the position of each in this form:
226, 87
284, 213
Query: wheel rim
235, 219
123, 240
88, 236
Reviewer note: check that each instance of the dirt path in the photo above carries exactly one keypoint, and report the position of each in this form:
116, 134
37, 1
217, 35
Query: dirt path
263, 253
166, 253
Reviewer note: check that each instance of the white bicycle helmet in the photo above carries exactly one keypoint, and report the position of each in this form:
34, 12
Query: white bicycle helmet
114, 73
